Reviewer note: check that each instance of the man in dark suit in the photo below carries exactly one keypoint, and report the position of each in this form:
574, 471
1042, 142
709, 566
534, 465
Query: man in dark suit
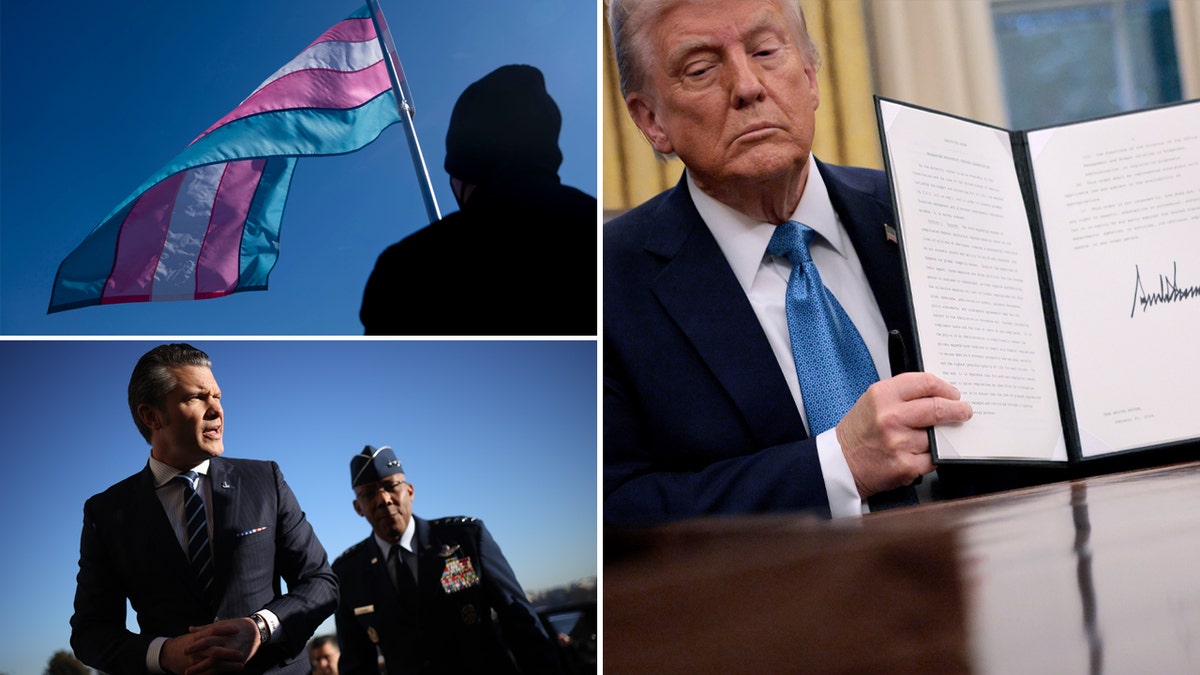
521, 241
197, 544
703, 410
419, 595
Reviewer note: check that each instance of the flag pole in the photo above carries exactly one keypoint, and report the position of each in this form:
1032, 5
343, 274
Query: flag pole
405, 105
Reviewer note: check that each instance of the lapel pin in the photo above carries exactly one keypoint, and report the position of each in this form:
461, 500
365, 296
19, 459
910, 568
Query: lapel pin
225, 484
890, 233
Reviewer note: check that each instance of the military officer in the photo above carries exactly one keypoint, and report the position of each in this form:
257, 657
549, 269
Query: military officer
429, 596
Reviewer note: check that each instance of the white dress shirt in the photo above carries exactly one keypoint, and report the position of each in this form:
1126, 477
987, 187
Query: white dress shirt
764, 278
406, 543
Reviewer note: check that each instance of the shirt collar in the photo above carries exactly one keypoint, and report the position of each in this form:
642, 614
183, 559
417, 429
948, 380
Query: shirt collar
163, 473
744, 240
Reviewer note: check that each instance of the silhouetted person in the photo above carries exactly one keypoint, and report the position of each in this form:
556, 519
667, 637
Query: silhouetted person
519, 257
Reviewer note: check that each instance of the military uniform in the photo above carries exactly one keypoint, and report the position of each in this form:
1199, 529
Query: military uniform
445, 622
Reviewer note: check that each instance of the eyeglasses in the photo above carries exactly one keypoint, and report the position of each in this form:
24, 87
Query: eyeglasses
392, 487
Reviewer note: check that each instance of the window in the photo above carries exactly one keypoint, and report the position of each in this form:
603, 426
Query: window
1065, 60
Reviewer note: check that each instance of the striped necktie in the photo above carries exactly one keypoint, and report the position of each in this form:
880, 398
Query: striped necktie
832, 361
199, 552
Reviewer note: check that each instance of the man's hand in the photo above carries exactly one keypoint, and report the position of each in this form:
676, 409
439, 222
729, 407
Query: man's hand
884, 435
221, 647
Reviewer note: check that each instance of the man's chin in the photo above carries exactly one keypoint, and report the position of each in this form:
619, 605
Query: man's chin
390, 531
760, 163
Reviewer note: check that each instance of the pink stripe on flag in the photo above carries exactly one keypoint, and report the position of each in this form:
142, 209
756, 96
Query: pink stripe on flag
217, 268
140, 243
313, 89
350, 30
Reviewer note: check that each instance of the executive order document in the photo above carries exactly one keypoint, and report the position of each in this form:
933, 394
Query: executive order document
1119, 211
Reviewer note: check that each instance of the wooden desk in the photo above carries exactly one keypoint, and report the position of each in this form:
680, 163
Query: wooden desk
1099, 575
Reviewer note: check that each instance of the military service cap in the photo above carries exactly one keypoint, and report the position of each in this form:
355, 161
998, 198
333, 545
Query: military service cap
372, 465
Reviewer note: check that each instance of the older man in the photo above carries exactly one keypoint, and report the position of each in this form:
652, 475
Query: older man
746, 310
429, 596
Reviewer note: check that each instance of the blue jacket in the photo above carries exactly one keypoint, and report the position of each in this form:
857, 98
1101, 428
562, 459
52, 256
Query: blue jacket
698, 419
128, 550
446, 625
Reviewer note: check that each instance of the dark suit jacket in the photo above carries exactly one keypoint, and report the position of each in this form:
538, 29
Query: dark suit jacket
438, 628
697, 415
128, 550
484, 270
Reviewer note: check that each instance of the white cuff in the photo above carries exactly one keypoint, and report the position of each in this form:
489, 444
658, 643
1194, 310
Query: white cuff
839, 482
272, 623
153, 653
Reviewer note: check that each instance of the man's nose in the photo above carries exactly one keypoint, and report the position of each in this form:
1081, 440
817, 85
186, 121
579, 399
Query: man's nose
745, 80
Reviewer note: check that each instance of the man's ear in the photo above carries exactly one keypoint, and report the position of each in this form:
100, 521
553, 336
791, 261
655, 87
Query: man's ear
152, 417
811, 71
358, 509
642, 112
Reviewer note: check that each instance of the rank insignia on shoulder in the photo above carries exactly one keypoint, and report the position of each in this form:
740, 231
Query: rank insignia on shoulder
365, 609
458, 574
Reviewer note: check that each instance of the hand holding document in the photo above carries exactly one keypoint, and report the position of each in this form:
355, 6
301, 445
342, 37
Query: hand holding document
1054, 277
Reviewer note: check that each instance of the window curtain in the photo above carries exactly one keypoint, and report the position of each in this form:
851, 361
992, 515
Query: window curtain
1185, 14
940, 54
846, 129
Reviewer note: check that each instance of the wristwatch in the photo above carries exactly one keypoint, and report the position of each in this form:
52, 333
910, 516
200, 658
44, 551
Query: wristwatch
264, 631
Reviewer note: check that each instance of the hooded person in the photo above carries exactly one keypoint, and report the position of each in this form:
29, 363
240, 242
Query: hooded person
519, 256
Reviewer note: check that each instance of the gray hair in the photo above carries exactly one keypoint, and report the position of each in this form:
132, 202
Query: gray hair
627, 20
152, 379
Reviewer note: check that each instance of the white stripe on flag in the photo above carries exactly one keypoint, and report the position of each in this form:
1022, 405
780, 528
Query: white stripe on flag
342, 56
175, 277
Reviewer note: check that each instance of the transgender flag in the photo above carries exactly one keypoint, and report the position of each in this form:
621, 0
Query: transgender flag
207, 224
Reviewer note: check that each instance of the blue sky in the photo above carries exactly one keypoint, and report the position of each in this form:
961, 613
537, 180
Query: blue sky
98, 96
503, 431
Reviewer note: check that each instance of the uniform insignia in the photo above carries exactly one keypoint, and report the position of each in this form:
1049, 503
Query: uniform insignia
365, 609
372, 634
350, 551
458, 574
470, 615
446, 551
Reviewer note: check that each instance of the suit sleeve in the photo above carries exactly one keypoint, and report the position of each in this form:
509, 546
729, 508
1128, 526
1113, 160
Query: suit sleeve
519, 623
98, 634
649, 479
698, 419
302, 562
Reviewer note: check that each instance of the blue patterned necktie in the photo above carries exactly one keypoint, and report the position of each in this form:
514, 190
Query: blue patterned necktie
832, 360
199, 552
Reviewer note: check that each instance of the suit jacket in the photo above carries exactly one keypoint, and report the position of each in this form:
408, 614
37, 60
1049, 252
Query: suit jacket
484, 270
697, 415
444, 624
128, 550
